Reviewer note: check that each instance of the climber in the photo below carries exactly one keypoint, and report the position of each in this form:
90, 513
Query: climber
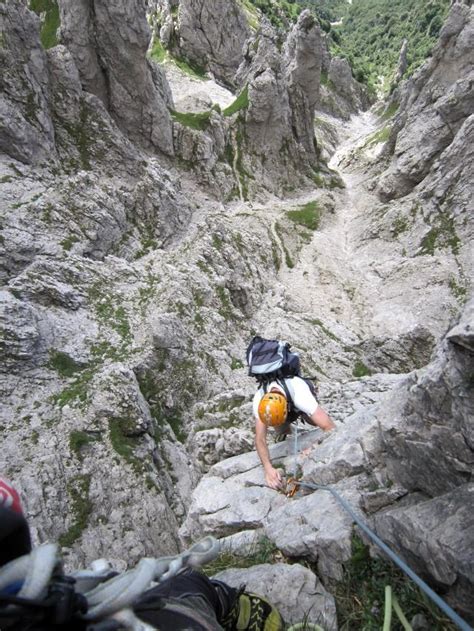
35, 594
278, 404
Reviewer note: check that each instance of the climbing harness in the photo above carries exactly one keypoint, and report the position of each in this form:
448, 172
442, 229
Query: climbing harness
462, 624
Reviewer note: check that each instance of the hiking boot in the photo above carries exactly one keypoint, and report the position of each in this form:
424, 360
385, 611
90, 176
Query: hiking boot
253, 613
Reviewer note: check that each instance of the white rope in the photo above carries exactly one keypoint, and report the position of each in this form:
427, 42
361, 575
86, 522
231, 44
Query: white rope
34, 570
121, 591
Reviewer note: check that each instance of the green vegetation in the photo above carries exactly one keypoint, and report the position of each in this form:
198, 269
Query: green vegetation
157, 52
63, 364
441, 235
225, 310
235, 364
263, 551
124, 443
372, 33
152, 392
459, 291
379, 136
78, 440
77, 392
82, 136
110, 315
190, 68
250, 13
195, 120
279, 13
399, 226
281, 233
68, 242
318, 323
240, 103
390, 111
78, 491
360, 370
307, 215
49, 11
360, 595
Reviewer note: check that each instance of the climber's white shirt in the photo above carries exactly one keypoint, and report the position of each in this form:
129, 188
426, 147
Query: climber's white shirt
300, 393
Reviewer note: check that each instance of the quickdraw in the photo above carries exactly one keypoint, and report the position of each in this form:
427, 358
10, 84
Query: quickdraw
291, 486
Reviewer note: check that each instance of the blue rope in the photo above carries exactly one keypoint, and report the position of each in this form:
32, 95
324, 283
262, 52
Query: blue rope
458, 621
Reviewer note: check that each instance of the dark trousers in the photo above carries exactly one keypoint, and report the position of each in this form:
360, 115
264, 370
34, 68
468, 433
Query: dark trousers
189, 600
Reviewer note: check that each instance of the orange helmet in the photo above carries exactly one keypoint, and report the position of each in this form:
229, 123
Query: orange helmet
272, 409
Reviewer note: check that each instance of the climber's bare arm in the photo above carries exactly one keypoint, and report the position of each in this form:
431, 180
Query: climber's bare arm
321, 419
272, 475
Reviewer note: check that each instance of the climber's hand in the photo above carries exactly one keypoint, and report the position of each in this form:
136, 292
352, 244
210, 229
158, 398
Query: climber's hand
273, 478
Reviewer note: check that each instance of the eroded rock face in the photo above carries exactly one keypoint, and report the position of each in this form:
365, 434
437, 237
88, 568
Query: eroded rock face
26, 130
212, 35
435, 104
112, 64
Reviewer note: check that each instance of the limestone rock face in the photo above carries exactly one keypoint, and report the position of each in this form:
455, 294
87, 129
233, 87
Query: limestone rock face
277, 126
26, 130
448, 519
212, 35
112, 65
302, 70
434, 106
436, 457
294, 590
407, 456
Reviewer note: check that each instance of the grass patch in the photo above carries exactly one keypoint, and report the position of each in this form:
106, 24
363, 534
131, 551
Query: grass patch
442, 234
157, 52
288, 260
399, 226
78, 440
360, 595
361, 370
225, 309
240, 103
235, 364
68, 242
391, 110
263, 551
459, 291
325, 330
63, 364
123, 443
380, 136
152, 390
77, 392
78, 491
190, 68
49, 12
194, 120
308, 215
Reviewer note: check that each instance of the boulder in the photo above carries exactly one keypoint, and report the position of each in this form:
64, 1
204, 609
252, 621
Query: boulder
294, 590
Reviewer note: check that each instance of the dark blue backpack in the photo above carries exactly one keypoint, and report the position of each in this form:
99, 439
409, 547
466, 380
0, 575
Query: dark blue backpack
272, 360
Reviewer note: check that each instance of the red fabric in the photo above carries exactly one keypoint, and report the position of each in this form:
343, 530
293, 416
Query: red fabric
9, 498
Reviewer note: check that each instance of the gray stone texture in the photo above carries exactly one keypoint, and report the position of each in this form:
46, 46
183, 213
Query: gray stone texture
294, 590
112, 65
435, 104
